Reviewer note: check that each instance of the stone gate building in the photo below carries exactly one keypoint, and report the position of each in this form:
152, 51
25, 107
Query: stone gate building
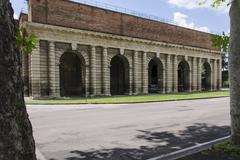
89, 51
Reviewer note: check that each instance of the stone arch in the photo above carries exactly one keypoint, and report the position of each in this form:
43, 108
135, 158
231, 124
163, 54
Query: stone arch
119, 75
206, 76
155, 75
183, 76
81, 54
72, 74
112, 55
150, 56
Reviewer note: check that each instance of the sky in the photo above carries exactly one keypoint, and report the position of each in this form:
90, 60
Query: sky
186, 13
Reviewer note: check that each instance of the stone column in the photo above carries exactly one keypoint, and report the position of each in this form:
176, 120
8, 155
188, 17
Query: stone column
35, 72
93, 70
52, 70
168, 74
106, 91
87, 80
164, 79
135, 73
199, 74
58, 54
190, 74
175, 74
130, 79
215, 73
220, 73
212, 74
145, 74
194, 74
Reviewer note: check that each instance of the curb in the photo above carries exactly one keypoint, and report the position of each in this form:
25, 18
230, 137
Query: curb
126, 102
39, 155
189, 151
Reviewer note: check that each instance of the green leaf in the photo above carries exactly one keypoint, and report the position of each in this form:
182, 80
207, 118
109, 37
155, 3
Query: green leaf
26, 42
217, 3
221, 41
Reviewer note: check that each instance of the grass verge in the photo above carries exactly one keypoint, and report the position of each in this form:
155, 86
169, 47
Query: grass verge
222, 151
131, 99
227, 148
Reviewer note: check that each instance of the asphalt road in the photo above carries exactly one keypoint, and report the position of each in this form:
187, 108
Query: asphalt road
126, 131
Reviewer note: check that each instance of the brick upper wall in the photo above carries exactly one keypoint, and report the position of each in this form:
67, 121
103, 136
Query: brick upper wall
23, 18
80, 16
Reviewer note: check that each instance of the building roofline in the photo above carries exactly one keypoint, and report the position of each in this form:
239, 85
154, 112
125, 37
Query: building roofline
144, 18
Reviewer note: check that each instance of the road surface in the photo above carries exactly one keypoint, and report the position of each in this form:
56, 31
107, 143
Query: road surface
126, 131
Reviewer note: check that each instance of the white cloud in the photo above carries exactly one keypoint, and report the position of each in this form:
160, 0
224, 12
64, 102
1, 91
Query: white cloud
193, 4
189, 4
15, 16
181, 20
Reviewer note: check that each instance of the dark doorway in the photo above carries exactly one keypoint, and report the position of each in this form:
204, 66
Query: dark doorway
119, 72
206, 77
183, 77
155, 76
71, 75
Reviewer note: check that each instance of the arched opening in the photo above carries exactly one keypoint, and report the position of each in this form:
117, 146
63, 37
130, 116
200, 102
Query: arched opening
119, 75
183, 77
71, 75
155, 76
206, 77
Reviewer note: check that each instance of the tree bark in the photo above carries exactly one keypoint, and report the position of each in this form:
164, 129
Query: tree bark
16, 139
234, 70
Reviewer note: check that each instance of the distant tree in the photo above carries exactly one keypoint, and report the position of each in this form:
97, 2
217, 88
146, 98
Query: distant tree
16, 136
222, 41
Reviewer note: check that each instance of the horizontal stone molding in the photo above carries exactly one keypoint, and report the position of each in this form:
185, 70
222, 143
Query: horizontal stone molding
36, 27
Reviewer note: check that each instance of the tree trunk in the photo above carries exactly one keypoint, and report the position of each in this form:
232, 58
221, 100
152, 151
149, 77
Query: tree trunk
234, 70
16, 139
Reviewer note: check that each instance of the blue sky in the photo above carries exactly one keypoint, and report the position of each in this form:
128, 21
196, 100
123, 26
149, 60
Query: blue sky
186, 13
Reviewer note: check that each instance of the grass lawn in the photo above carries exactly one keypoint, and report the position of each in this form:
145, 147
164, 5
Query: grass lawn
131, 99
223, 151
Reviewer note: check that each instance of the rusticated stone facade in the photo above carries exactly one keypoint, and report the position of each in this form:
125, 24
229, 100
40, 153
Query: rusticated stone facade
88, 51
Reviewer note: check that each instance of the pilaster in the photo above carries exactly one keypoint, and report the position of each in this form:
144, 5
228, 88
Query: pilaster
164, 80
175, 74
220, 73
93, 71
199, 75
212, 74
135, 73
106, 89
215, 73
194, 74
168, 74
35, 72
145, 73
53, 92
87, 81
130, 92
190, 74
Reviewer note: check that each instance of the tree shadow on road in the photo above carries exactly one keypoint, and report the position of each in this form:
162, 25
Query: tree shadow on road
164, 142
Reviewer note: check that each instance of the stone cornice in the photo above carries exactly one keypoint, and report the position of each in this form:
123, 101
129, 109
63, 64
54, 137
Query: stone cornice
42, 27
